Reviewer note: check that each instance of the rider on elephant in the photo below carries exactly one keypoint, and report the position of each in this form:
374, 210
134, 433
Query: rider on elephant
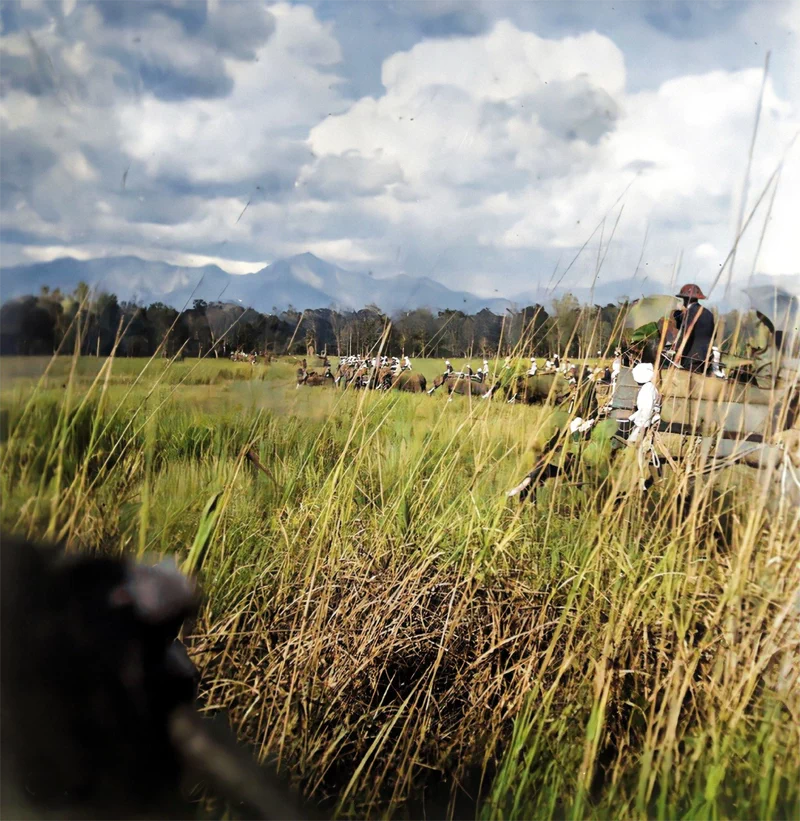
695, 329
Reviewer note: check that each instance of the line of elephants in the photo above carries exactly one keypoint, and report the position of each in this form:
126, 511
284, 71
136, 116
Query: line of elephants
551, 388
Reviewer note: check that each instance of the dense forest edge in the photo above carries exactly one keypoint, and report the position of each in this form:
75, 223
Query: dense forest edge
53, 321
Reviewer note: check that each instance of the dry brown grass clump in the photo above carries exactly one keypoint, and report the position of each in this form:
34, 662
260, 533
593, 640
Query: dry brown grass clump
393, 673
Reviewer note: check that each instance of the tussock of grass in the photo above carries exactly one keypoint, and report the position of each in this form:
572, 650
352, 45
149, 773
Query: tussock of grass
400, 637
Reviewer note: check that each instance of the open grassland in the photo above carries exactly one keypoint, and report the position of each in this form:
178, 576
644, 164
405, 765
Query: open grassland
398, 636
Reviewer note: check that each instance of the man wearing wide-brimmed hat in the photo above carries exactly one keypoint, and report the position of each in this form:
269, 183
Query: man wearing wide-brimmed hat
695, 329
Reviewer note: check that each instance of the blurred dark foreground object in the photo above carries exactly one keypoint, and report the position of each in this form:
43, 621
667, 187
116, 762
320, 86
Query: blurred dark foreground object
97, 696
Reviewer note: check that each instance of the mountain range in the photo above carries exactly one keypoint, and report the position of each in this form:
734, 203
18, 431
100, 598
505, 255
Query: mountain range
303, 281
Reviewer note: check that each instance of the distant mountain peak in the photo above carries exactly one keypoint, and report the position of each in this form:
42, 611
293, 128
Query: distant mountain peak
302, 280
307, 255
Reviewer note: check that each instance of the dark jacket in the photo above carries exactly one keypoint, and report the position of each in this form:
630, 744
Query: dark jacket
696, 331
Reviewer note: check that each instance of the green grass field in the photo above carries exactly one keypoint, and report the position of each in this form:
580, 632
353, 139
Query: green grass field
399, 636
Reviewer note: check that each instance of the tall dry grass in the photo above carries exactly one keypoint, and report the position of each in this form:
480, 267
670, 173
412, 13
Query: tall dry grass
401, 638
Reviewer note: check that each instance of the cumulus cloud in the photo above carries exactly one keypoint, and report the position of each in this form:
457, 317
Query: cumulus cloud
446, 18
349, 174
686, 20
529, 141
219, 131
22, 161
99, 153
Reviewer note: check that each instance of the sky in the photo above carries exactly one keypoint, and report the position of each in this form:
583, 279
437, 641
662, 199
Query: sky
498, 147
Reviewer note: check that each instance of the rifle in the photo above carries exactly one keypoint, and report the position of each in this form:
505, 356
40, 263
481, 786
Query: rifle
99, 711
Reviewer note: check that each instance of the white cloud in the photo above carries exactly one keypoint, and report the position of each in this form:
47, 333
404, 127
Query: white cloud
107, 160
345, 251
483, 159
488, 151
334, 177
47, 253
286, 89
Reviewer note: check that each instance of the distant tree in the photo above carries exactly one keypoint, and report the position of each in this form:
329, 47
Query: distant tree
412, 331
26, 327
104, 323
337, 323
450, 332
249, 332
275, 334
81, 292
136, 339
195, 329
11, 321
222, 320
160, 319
567, 314
486, 327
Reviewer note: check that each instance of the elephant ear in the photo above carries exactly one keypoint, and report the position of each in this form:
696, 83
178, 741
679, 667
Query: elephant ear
649, 310
776, 308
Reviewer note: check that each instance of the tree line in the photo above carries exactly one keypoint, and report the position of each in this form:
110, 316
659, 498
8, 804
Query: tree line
92, 323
